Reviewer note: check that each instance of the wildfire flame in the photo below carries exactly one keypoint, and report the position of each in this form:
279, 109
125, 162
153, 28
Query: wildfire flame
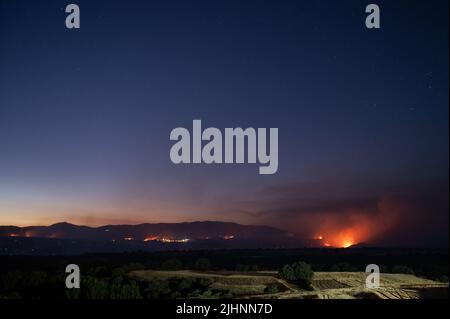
168, 240
346, 244
339, 241
350, 226
151, 238
344, 241
165, 239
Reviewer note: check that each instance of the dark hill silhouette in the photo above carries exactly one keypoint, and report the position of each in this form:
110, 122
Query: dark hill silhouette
193, 230
66, 238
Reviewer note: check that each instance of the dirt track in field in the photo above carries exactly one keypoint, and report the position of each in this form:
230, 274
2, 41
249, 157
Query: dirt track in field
326, 285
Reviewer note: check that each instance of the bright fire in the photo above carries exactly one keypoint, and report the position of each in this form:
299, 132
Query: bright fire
350, 226
346, 244
27, 235
166, 239
169, 240
151, 238
340, 241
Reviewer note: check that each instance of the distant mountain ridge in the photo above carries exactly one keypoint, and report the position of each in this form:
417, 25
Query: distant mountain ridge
146, 232
69, 239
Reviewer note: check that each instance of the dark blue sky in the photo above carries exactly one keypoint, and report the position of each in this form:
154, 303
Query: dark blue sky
85, 115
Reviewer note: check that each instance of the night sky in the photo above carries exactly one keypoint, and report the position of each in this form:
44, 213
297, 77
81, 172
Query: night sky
85, 115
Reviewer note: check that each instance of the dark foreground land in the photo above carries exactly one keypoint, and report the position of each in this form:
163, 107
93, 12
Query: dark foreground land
339, 273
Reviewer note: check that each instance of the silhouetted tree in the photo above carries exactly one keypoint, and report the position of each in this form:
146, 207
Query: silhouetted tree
299, 272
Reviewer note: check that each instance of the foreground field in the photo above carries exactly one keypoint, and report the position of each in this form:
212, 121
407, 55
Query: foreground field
326, 285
